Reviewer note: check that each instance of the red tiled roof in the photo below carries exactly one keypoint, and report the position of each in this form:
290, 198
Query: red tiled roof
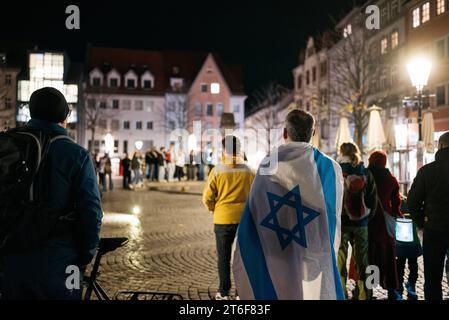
161, 64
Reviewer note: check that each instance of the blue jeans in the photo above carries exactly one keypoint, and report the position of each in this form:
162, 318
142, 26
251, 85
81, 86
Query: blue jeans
224, 236
137, 176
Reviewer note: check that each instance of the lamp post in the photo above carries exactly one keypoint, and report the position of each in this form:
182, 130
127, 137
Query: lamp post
419, 72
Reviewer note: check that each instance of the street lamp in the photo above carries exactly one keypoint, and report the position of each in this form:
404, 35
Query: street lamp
419, 72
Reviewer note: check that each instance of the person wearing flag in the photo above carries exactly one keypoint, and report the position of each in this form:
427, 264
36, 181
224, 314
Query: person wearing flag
290, 230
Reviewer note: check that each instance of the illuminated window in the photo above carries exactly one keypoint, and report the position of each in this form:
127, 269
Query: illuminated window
384, 46
347, 31
394, 40
425, 12
215, 88
441, 6
416, 18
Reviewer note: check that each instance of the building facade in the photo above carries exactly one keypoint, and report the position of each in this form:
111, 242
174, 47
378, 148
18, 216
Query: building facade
136, 99
8, 93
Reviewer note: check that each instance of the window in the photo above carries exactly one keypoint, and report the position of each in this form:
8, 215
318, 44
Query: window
115, 125
113, 83
115, 104
314, 74
172, 125
125, 146
440, 49
198, 108
103, 124
210, 109
96, 82
116, 146
148, 84
215, 88
394, 40
416, 17
441, 6
126, 105
347, 31
103, 105
220, 109
394, 74
425, 12
139, 125
307, 106
236, 108
323, 69
203, 87
138, 105
126, 125
149, 106
441, 95
308, 77
8, 103
300, 82
8, 79
394, 8
150, 125
384, 46
131, 83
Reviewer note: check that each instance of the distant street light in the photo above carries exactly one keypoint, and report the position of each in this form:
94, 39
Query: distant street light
419, 72
139, 145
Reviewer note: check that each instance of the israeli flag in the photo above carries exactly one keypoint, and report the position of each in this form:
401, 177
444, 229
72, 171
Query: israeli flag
289, 234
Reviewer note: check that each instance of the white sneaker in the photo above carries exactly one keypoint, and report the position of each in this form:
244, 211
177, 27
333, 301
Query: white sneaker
218, 296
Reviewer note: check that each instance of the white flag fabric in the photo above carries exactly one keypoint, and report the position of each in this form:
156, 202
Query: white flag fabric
289, 234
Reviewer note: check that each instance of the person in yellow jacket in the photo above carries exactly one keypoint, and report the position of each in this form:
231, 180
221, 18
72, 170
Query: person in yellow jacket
225, 195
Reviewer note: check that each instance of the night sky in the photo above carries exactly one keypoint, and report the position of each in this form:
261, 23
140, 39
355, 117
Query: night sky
264, 37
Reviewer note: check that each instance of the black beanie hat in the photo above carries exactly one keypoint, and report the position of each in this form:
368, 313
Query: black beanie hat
48, 104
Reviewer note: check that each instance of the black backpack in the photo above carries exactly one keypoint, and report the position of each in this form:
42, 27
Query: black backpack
25, 221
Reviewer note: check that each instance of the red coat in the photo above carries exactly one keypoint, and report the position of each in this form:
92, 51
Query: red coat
382, 247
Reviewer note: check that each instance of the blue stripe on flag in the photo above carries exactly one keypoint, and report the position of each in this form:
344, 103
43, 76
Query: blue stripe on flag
254, 259
327, 175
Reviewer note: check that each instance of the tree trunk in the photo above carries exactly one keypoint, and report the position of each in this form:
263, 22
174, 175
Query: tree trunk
92, 139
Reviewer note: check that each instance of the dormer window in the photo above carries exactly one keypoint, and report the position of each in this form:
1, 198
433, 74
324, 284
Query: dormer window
113, 83
96, 82
147, 84
147, 80
96, 78
113, 79
131, 83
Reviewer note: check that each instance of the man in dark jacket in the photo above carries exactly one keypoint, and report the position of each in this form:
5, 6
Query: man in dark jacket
69, 182
126, 164
428, 201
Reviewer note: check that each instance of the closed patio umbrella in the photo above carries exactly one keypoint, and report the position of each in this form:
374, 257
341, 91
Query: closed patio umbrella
343, 133
428, 133
390, 136
375, 137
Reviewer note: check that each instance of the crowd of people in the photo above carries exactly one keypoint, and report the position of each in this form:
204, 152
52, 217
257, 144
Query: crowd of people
369, 201
294, 220
155, 165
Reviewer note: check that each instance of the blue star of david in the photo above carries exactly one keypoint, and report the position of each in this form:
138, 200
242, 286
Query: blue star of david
298, 233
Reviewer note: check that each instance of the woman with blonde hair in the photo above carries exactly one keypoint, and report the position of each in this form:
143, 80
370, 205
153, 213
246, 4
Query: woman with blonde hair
359, 202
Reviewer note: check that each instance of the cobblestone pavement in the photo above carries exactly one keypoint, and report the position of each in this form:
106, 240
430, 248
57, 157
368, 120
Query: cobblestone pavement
172, 244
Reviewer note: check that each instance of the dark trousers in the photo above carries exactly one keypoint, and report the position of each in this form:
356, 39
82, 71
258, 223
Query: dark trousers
126, 179
412, 268
224, 236
435, 247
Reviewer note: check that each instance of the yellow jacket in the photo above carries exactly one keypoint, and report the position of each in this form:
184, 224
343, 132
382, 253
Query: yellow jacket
227, 189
